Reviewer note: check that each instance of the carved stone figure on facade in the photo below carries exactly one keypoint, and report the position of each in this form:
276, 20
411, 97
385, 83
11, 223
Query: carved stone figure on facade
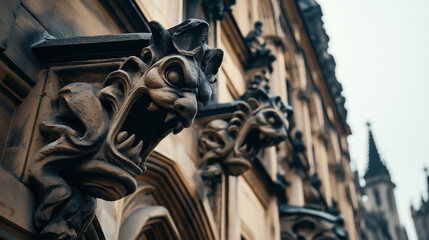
261, 56
255, 40
98, 138
300, 160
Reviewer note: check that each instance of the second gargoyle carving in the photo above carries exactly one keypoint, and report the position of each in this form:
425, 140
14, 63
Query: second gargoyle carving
260, 122
98, 138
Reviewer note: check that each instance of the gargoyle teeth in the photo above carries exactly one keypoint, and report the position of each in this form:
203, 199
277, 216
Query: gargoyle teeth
152, 107
169, 117
138, 160
243, 147
135, 151
179, 127
127, 143
121, 136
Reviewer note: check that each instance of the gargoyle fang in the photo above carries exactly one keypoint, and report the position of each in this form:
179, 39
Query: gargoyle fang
152, 107
179, 127
135, 151
121, 136
127, 143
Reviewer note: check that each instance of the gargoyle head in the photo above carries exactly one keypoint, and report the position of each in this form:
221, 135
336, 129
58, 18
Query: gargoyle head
265, 125
260, 122
160, 92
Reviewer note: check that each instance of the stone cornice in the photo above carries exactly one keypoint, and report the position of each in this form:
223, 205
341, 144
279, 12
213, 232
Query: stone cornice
52, 50
311, 14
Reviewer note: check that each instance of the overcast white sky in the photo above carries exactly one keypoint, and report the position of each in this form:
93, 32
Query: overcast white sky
381, 48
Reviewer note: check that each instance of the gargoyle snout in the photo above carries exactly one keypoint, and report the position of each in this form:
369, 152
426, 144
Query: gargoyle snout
186, 107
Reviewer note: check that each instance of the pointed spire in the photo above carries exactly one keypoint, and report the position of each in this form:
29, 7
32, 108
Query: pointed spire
375, 166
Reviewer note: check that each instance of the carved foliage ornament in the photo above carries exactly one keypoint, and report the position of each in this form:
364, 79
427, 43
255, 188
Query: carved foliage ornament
97, 139
260, 122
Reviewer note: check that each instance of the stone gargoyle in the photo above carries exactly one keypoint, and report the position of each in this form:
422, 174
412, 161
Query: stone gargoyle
98, 138
260, 122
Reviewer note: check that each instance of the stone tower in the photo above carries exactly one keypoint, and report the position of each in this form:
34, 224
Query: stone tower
379, 189
421, 215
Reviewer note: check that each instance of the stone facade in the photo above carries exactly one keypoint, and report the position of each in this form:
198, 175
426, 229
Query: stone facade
131, 119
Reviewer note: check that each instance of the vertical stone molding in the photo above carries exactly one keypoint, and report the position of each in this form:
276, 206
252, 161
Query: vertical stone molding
97, 136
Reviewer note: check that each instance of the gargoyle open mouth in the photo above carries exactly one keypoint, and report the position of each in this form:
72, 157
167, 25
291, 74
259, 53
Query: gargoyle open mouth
258, 137
144, 126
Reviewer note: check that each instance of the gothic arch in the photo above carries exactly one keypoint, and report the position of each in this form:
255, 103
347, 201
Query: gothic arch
149, 222
165, 206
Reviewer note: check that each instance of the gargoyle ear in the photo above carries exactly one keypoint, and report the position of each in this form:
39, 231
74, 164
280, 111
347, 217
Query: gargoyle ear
134, 67
160, 36
190, 37
211, 63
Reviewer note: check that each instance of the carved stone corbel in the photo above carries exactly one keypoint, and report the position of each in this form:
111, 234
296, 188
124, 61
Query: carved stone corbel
308, 224
98, 136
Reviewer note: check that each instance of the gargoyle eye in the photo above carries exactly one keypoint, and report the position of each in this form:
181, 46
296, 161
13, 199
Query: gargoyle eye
273, 119
174, 75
